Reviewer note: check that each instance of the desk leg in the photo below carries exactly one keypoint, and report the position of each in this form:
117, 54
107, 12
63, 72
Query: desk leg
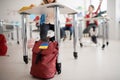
24, 37
75, 37
80, 33
17, 30
103, 26
57, 37
30, 29
1, 27
107, 31
12, 35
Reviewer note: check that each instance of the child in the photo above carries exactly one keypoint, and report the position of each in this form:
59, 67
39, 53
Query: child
48, 1
91, 25
68, 26
48, 20
47, 23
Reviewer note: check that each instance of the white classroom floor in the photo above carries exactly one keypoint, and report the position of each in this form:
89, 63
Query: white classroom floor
93, 63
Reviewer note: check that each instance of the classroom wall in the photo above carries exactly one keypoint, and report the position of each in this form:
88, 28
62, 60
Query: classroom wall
111, 13
114, 12
9, 10
118, 18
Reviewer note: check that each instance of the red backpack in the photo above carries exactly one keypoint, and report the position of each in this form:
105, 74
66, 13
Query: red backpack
3, 46
44, 60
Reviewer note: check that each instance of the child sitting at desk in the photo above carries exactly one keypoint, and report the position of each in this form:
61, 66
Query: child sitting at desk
91, 25
68, 26
47, 19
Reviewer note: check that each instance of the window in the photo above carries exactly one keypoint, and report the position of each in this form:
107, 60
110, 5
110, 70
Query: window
82, 5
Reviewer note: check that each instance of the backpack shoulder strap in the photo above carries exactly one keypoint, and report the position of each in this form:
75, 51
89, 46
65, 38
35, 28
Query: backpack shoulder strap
38, 57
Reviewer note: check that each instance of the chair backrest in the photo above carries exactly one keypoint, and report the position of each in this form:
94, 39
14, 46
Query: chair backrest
9, 27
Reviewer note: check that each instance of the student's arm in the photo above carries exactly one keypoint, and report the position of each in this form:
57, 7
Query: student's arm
99, 7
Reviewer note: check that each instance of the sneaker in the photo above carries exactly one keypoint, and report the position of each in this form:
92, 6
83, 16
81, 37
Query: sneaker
94, 39
64, 38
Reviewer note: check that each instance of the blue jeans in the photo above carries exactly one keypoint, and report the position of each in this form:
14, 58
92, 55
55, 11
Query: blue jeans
67, 28
87, 29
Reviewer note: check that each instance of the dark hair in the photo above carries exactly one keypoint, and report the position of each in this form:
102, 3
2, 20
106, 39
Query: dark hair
46, 2
92, 6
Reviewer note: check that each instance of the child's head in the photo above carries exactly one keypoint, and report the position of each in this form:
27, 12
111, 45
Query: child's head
91, 8
49, 1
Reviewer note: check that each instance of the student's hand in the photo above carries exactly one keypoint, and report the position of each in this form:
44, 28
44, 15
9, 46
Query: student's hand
42, 3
